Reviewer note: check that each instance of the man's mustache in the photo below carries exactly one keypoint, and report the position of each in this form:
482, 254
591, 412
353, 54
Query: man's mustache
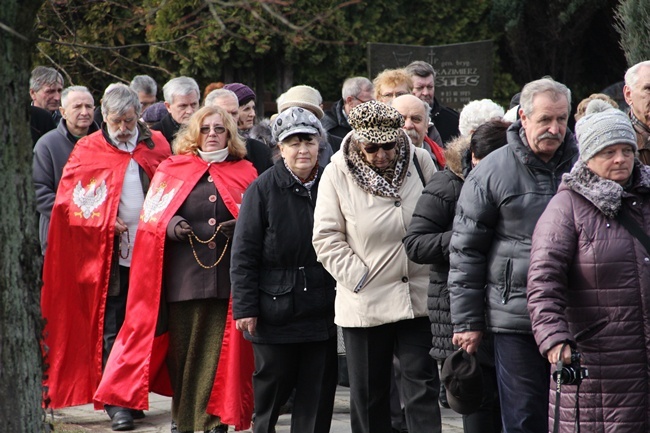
549, 136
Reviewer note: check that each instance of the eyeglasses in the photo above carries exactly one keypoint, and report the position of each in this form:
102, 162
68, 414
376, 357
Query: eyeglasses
205, 130
361, 100
393, 95
374, 148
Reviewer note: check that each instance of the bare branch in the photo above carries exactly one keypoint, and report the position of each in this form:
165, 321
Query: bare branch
13, 32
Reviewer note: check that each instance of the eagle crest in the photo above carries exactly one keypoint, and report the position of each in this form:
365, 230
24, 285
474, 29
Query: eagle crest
89, 199
156, 203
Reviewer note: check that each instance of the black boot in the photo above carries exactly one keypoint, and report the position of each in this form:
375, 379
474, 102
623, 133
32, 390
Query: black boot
121, 418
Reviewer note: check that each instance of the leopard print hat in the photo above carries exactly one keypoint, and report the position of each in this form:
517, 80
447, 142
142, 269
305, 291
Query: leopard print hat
376, 122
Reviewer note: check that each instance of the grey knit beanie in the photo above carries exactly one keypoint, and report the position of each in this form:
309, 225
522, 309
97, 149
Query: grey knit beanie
601, 127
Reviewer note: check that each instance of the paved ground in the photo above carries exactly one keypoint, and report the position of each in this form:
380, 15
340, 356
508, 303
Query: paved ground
81, 419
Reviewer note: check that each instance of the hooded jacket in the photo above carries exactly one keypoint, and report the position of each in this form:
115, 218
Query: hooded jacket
588, 285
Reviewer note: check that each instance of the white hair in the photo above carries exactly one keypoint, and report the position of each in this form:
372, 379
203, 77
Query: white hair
476, 113
632, 74
180, 86
218, 94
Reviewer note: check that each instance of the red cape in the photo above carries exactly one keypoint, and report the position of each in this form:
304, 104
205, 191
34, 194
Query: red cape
78, 262
136, 364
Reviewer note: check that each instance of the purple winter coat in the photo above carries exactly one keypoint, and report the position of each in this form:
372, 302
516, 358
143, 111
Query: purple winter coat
589, 281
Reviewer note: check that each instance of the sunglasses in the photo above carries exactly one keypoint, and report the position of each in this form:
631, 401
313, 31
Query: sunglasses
205, 130
374, 148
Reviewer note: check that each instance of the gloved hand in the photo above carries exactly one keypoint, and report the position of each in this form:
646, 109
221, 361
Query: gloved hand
182, 230
227, 228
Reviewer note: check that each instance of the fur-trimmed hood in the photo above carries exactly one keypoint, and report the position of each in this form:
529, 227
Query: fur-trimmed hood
455, 152
605, 194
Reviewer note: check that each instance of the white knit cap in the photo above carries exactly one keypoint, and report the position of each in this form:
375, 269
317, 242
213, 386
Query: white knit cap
601, 127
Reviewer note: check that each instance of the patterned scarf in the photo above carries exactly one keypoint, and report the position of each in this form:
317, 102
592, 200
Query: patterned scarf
640, 127
382, 182
307, 183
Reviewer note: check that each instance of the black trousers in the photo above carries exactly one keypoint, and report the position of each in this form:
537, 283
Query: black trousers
114, 314
370, 358
309, 367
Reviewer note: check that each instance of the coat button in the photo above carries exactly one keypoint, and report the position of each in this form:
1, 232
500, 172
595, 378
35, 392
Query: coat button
297, 189
212, 245
405, 279
646, 260
209, 178
398, 203
408, 174
633, 203
212, 198
212, 221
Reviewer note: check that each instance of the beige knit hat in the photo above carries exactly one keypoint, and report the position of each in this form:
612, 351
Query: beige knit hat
601, 127
302, 96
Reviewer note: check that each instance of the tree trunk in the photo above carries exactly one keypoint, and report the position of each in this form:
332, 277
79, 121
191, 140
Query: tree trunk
20, 261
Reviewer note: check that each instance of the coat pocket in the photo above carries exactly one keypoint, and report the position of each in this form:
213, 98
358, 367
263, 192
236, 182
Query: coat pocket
276, 296
314, 294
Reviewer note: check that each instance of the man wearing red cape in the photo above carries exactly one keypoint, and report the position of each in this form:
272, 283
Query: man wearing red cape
137, 363
86, 269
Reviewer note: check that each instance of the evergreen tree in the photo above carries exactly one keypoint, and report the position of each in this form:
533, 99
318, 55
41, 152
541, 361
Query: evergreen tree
633, 23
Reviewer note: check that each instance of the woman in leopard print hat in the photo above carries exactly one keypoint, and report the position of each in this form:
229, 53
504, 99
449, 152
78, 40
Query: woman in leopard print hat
366, 200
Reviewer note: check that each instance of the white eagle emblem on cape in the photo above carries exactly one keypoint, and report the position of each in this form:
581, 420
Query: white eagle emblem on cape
89, 199
156, 203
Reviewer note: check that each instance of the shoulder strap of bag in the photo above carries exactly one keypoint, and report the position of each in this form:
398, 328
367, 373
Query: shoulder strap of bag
634, 229
419, 169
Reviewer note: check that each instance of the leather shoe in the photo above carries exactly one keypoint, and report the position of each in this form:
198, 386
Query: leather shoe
122, 420
137, 414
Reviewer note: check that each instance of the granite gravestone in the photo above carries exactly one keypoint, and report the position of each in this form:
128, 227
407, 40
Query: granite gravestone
464, 71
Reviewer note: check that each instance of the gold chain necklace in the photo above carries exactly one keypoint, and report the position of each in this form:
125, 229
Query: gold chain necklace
196, 257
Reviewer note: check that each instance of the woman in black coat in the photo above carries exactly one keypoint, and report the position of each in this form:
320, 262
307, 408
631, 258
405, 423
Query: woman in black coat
427, 241
283, 299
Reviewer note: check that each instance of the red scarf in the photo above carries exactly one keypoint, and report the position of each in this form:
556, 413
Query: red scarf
437, 152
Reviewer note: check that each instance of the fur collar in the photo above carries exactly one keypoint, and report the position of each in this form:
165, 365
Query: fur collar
455, 152
605, 194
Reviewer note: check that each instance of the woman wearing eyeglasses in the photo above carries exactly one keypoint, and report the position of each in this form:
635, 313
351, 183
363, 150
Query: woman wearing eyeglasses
178, 309
365, 203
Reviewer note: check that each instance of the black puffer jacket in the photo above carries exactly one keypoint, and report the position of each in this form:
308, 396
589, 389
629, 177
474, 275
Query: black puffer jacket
427, 241
274, 272
499, 205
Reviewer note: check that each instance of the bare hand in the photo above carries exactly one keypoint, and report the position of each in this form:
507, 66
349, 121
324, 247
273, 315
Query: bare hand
227, 228
553, 355
468, 340
182, 230
120, 227
247, 324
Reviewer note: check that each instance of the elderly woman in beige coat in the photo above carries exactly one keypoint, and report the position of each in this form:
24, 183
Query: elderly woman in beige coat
366, 199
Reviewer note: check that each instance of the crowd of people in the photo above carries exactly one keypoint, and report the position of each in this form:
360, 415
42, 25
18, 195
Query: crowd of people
490, 261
